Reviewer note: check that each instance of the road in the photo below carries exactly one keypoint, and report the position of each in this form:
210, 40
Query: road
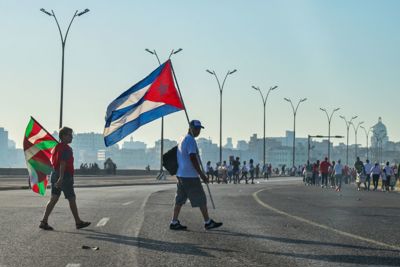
273, 223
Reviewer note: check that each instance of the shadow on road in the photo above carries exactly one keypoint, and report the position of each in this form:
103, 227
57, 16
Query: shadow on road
353, 259
297, 241
151, 244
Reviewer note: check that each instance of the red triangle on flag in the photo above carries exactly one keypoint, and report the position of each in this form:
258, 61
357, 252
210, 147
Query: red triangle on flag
163, 89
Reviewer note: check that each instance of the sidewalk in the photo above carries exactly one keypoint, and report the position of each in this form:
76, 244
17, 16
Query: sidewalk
15, 183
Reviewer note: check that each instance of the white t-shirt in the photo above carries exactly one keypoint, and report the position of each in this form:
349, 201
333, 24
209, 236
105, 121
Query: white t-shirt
186, 147
338, 169
368, 168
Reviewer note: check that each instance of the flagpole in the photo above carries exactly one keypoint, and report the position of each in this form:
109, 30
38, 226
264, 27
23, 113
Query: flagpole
188, 121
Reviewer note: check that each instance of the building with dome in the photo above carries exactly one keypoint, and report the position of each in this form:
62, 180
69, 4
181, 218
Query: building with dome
379, 135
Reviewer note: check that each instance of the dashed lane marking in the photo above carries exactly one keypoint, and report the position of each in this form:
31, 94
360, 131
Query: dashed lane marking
265, 205
73, 265
102, 222
127, 203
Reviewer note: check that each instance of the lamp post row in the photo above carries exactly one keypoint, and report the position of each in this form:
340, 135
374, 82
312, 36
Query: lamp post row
221, 87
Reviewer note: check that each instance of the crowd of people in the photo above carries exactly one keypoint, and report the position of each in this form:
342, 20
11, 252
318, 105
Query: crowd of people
333, 174
236, 171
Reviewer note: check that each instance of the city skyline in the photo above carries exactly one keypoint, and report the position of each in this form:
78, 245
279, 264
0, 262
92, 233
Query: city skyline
340, 54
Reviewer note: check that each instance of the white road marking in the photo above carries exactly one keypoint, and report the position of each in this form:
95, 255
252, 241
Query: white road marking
128, 203
73, 265
102, 222
265, 205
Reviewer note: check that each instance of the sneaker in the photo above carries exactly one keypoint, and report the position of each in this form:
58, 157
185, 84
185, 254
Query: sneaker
45, 226
212, 225
177, 226
82, 225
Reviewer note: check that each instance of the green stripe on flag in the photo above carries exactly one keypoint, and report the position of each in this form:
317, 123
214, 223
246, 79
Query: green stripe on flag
46, 144
42, 188
39, 166
29, 128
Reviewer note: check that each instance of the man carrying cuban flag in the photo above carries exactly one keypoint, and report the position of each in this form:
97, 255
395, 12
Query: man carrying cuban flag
153, 97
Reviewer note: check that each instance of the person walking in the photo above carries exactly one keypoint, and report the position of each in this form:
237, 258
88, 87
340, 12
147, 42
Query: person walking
188, 184
338, 172
251, 170
210, 171
324, 168
62, 180
367, 168
375, 173
257, 170
244, 171
359, 169
236, 170
389, 174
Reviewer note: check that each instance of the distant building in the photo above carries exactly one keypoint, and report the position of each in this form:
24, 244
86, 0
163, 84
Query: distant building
229, 144
133, 144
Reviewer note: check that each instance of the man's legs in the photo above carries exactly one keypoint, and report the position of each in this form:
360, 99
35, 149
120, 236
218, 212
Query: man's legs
177, 210
49, 207
204, 212
74, 210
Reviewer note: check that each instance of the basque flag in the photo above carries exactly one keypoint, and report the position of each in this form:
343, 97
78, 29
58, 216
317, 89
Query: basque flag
153, 97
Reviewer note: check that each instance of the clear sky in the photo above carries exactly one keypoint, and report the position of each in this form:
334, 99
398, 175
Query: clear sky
341, 53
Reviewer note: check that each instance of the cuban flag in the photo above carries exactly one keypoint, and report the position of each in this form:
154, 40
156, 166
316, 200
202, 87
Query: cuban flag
153, 97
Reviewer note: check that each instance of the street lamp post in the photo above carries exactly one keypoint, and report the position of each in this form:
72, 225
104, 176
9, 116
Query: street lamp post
355, 134
63, 42
161, 175
264, 100
367, 136
348, 123
221, 89
329, 128
294, 125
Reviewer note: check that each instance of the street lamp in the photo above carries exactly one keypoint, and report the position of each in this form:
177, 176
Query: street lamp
221, 88
161, 175
329, 128
294, 125
367, 136
348, 123
63, 41
355, 133
264, 100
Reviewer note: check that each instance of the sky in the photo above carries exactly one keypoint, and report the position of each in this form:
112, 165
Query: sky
338, 54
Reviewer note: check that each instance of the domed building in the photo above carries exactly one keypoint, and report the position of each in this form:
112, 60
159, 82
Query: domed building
379, 134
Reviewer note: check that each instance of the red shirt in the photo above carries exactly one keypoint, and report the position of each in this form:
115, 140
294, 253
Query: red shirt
63, 152
325, 167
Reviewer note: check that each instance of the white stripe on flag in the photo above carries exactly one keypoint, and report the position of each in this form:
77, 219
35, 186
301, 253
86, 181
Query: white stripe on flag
132, 115
133, 98
30, 152
38, 136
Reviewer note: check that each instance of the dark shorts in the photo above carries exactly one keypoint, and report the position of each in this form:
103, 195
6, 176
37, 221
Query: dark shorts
190, 188
67, 186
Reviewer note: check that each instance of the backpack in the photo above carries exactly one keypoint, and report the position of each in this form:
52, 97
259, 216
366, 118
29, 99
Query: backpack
170, 160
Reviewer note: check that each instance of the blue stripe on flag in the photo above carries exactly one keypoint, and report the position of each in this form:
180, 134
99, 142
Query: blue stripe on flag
143, 83
131, 126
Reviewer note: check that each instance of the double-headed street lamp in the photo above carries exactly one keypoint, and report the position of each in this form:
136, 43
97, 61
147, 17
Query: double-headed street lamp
161, 175
367, 136
355, 134
221, 89
264, 100
294, 125
348, 123
63, 41
329, 128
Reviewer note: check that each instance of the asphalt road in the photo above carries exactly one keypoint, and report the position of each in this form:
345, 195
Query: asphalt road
273, 223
